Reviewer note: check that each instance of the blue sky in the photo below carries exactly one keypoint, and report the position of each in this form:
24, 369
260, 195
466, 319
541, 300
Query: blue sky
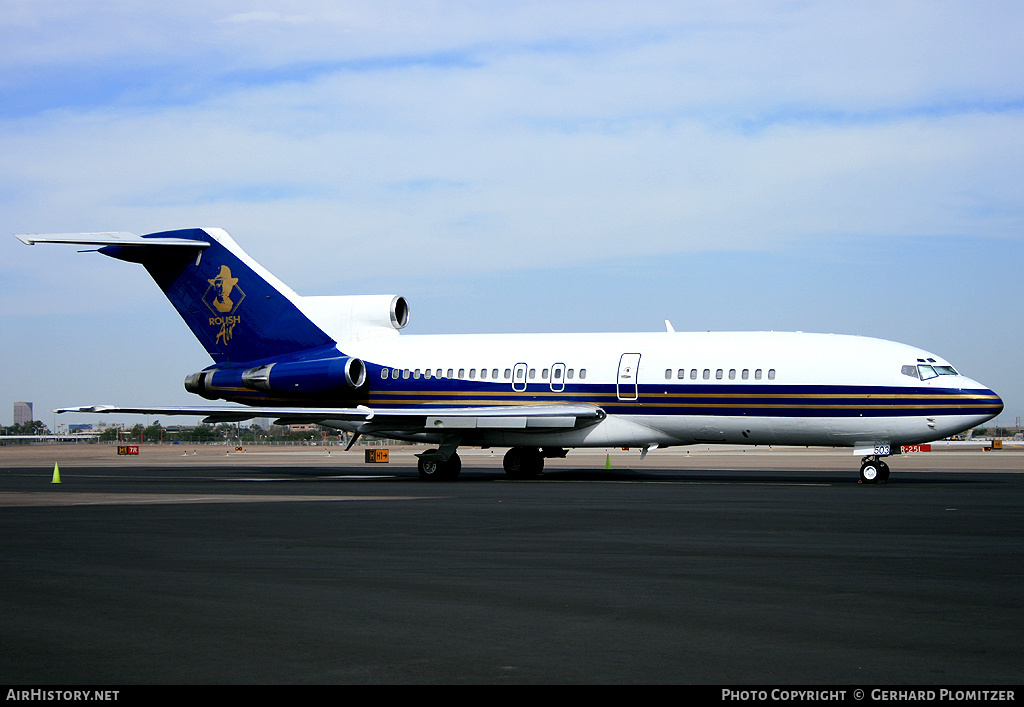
550, 166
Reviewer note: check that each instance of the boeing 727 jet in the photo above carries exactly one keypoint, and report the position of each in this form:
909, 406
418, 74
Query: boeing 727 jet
341, 362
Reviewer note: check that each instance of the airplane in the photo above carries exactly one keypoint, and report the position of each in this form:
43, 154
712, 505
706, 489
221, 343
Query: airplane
342, 362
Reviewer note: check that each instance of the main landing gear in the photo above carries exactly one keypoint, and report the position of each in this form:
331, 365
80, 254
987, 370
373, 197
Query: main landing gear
523, 463
433, 468
519, 463
873, 470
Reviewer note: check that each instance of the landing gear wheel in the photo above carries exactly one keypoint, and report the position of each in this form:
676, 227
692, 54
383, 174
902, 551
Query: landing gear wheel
883, 475
523, 463
869, 473
874, 471
432, 468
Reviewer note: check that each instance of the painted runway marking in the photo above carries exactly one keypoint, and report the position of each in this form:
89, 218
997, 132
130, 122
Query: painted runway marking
352, 477
40, 498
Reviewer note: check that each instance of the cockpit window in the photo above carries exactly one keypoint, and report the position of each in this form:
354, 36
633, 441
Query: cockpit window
924, 371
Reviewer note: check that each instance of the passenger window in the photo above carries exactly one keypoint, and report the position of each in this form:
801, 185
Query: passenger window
771, 374
757, 374
532, 374
384, 373
746, 374
718, 374
668, 374
462, 373
583, 373
707, 374
426, 374
681, 373
732, 374
693, 374
508, 374
494, 373
450, 372
557, 374
416, 374
472, 373
568, 374
483, 374
406, 373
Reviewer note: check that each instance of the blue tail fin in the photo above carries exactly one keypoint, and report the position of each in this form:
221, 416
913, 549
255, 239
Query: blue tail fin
237, 310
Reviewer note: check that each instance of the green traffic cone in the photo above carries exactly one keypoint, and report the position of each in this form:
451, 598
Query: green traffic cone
56, 474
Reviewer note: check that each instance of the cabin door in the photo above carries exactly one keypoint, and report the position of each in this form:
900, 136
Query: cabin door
626, 386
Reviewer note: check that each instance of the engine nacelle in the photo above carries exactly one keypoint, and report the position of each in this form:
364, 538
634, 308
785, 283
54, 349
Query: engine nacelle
293, 378
302, 378
202, 384
348, 318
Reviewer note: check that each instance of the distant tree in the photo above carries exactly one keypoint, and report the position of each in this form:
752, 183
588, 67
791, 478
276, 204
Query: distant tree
35, 427
202, 433
153, 433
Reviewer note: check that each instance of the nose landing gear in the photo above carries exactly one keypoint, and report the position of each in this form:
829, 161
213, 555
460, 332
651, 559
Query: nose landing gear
873, 470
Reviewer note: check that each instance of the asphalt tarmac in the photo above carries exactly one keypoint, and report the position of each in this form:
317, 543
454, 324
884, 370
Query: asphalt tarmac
710, 567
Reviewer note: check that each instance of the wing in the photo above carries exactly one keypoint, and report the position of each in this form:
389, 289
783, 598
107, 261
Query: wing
382, 420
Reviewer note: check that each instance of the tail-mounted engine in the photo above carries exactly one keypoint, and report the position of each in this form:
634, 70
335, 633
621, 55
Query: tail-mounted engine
348, 318
308, 377
292, 379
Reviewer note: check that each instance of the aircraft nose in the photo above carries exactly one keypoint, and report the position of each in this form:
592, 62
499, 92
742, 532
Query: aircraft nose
994, 406
997, 404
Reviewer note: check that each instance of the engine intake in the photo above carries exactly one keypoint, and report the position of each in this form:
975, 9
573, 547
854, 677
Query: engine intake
353, 317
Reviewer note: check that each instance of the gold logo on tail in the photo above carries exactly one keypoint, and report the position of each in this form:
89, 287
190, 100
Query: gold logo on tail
223, 297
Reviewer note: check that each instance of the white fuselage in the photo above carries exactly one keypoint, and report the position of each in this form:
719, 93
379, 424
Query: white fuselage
682, 388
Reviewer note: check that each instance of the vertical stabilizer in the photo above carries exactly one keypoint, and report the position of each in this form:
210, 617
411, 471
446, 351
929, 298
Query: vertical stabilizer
236, 308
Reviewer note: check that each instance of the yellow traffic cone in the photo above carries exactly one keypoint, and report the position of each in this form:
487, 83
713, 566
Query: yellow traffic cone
56, 474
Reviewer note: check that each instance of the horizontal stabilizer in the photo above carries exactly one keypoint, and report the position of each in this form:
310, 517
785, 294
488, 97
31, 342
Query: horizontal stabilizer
105, 239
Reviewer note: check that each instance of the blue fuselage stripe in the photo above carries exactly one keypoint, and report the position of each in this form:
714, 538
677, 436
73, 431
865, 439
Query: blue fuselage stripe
766, 400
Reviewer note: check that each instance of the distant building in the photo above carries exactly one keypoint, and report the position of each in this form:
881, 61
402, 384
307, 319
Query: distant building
22, 413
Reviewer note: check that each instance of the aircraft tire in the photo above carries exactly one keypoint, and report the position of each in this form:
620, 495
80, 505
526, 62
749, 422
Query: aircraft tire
433, 469
870, 472
523, 463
